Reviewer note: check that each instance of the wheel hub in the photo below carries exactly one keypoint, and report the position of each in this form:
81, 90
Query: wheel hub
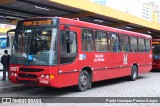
83, 80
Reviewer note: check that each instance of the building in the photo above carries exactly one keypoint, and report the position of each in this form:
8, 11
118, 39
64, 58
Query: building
151, 12
146, 10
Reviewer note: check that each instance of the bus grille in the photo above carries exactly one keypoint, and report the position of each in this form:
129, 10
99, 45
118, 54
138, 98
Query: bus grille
28, 82
31, 70
27, 76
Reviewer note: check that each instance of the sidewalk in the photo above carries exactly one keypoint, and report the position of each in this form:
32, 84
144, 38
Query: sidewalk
8, 86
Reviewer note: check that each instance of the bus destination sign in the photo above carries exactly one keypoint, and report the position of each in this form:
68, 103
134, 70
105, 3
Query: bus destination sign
155, 42
37, 22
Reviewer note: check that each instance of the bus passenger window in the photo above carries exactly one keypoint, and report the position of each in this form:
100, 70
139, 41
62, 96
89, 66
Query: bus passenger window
124, 43
87, 40
114, 43
101, 42
141, 45
147, 44
133, 44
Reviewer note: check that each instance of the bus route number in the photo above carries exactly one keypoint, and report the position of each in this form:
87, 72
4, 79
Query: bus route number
14, 68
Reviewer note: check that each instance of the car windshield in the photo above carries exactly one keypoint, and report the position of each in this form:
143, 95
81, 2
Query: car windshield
156, 51
36, 46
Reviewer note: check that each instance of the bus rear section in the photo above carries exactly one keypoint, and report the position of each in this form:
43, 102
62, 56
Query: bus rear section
60, 52
156, 54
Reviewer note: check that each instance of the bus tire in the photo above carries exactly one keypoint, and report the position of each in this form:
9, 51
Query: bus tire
83, 81
134, 73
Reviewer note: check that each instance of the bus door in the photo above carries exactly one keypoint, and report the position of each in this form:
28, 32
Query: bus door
115, 56
101, 55
68, 67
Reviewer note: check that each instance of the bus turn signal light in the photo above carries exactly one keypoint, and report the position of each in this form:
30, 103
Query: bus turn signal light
51, 76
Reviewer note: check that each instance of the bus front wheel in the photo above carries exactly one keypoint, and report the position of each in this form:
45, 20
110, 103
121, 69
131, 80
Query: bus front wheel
83, 81
134, 73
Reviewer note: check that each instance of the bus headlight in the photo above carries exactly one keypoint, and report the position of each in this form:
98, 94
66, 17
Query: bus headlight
47, 76
42, 76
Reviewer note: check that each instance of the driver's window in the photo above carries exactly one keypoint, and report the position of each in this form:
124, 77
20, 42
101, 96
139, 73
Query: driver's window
68, 50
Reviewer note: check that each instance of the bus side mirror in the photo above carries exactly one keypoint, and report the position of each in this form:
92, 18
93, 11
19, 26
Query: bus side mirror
71, 37
71, 34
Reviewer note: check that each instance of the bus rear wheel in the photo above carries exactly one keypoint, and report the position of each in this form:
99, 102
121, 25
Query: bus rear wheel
134, 73
83, 81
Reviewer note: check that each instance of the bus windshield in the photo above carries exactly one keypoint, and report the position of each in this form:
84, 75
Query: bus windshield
36, 46
156, 51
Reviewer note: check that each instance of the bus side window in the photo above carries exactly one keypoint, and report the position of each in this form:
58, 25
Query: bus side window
141, 45
124, 43
133, 44
87, 40
114, 42
101, 42
147, 45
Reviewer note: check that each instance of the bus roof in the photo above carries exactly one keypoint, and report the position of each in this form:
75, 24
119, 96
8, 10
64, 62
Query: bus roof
101, 27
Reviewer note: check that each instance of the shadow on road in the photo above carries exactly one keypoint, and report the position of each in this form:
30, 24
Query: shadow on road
58, 92
155, 71
113, 81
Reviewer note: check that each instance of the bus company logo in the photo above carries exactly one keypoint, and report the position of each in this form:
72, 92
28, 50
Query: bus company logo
125, 59
14, 68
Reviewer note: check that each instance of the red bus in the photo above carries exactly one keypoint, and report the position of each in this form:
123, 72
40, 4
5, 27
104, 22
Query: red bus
156, 54
60, 52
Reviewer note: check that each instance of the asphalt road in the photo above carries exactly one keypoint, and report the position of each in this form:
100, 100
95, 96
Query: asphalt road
147, 85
